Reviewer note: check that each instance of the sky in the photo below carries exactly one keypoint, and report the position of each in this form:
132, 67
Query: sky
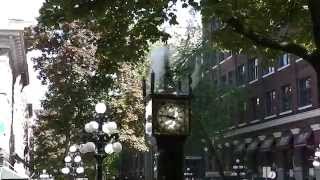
28, 10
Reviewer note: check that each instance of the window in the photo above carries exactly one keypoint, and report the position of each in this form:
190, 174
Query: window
255, 108
253, 69
241, 74
305, 92
286, 98
271, 103
284, 60
231, 77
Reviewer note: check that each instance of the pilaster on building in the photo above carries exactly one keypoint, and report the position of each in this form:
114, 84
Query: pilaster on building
16, 111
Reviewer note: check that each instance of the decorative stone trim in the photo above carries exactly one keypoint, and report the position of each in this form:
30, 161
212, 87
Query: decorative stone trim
305, 107
315, 127
271, 116
255, 121
277, 134
283, 67
276, 122
248, 140
266, 75
242, 124
235, 142
253, 81
285, 112
262, 137
295, 130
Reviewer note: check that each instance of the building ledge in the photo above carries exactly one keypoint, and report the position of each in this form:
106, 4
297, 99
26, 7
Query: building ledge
271, 116
269, 74
285, 112
275, 122
305, 107
253, 81
255, 121
283, 67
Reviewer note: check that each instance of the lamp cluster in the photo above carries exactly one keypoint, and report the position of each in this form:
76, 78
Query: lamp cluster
103, 132
316, 161
238, 169
73, 162
44, 175
105, 135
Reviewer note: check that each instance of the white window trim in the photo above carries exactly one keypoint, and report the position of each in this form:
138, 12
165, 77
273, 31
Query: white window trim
283, 67
305, 107
271, 116
215, 66
286, 112
242, 124
255, 121
266, 75
242, 86
253, 81
298, 60
225, 59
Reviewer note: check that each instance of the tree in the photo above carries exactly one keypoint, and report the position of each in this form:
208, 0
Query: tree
76, 79
266, 28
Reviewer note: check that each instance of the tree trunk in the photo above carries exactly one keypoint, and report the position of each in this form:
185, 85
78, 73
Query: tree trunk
213, 151
314, 61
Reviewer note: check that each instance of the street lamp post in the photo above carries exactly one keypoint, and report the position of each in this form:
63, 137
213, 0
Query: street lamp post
104, 139
239, 169
73, 163
45, 176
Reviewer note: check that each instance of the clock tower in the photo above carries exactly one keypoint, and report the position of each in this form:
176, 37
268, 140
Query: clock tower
168, 110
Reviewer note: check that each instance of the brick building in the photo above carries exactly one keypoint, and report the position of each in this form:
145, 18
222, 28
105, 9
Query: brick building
280, 124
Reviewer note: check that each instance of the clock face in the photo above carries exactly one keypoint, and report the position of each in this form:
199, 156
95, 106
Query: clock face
171, 117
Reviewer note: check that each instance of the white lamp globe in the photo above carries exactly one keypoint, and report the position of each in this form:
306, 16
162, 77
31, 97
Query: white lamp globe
80, 170
94, 126
108, 149
87, 128
117, 147
73, 148
113, 126
100, 108
82, 148
106, 128
317, 153
65, 170
67, 159
77, 159
316, 163
91, 147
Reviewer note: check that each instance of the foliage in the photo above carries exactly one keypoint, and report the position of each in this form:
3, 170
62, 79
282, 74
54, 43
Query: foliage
77, 78
264, 28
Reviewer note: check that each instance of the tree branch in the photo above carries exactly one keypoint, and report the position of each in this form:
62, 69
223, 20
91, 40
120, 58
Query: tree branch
265, 41
314, 6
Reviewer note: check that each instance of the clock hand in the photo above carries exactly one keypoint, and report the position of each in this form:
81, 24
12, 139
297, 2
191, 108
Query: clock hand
170, 117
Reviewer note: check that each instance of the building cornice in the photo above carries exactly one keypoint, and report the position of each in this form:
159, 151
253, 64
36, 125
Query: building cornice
276, 122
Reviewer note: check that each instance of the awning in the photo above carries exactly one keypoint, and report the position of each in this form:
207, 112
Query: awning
284, 142
266, 145
7, 173
302, 139
240, 148
253, 146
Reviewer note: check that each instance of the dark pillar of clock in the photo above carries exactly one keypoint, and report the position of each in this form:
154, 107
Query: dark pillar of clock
171, 157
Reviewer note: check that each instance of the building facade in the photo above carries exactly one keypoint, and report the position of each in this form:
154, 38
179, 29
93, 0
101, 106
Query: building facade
15, 113
279, 128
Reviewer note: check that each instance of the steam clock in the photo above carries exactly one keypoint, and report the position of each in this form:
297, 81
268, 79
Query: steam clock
168, 110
